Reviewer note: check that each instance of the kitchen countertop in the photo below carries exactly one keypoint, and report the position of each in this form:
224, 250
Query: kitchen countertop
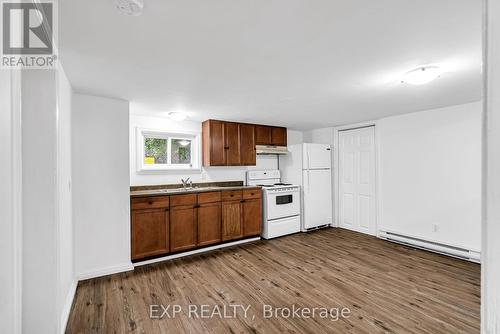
148, 191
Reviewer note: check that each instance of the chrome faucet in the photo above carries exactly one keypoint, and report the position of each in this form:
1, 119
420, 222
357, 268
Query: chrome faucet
186, 182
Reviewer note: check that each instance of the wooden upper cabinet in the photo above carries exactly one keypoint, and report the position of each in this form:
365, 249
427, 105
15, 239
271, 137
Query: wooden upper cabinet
232, 143
247, 145
213, 143
278, 136
270, 135
262, 135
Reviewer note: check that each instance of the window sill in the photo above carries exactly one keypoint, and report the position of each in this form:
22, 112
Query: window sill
167, 170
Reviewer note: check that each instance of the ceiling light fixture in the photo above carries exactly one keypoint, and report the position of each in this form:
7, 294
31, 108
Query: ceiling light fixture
184, 142
130, 7
422, 75
177, 116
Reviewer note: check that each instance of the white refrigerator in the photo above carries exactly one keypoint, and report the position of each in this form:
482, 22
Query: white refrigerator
310, 166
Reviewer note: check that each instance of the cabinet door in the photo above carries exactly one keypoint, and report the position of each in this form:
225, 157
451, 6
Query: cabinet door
232, 144
182, 228
150, 235
278, 136
231, 220
213, 144
252, 217
262, 135
247, 145
209, 223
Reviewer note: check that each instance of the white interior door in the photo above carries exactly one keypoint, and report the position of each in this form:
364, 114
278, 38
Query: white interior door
357, 180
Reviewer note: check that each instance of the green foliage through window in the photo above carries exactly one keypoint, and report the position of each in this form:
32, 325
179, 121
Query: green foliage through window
156, 151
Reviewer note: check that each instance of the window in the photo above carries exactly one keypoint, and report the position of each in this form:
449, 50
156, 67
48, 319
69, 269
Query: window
163, 151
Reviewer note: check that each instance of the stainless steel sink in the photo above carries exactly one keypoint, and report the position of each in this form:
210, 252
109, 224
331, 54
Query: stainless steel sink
177, 190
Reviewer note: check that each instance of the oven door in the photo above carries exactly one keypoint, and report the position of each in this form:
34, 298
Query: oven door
282, 204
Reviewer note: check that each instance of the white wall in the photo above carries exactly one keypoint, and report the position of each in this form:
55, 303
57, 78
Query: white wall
39, 157
319, 136
67, 285
430, 174
101, 197
490, 315
35, 143
205, 173
9, 279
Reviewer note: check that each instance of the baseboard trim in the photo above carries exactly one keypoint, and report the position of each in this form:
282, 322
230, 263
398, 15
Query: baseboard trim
68, 303
196, 251
119, 268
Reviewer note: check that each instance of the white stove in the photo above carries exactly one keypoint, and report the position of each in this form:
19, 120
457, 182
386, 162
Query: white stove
281, 203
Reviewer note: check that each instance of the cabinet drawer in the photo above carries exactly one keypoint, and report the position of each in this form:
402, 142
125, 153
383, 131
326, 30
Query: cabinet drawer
252, 193
209, 197
187, 199
150, 203
232, 195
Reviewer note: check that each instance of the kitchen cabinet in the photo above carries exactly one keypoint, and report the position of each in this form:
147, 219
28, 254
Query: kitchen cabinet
231, 220
251, 212
149, 227
270, 135
262, 135
183, 222
209, 218
166, 224
182, 228
213, 152
241, 214
233, 144
247, 144
278, 136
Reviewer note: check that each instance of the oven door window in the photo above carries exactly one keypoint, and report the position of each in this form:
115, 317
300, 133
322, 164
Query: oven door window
284, 199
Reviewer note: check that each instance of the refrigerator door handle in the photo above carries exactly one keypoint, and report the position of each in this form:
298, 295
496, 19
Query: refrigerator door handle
308, 183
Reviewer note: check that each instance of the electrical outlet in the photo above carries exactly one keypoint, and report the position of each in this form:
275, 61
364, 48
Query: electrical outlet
435, 227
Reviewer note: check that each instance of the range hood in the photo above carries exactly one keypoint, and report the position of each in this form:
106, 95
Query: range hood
270, 149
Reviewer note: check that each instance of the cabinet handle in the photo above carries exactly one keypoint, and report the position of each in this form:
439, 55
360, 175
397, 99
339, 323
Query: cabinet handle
167, 209
150, 202
226, 147
242, 201
196, 206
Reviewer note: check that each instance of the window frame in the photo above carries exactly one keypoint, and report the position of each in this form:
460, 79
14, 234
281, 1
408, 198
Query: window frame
194, 137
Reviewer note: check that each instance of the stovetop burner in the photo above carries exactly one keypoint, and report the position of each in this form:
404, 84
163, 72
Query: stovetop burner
274, 185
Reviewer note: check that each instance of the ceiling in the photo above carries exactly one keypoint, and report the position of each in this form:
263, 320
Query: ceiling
298, 63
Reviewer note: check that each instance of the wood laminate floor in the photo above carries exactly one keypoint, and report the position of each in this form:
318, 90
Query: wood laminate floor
388, 288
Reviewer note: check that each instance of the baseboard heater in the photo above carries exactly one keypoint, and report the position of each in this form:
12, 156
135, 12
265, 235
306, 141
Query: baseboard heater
457, 252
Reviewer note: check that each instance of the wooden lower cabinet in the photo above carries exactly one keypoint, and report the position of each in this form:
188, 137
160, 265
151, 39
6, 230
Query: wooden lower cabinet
231, 220
150, 232
193, 220
252, 213
183, 228
209, 224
